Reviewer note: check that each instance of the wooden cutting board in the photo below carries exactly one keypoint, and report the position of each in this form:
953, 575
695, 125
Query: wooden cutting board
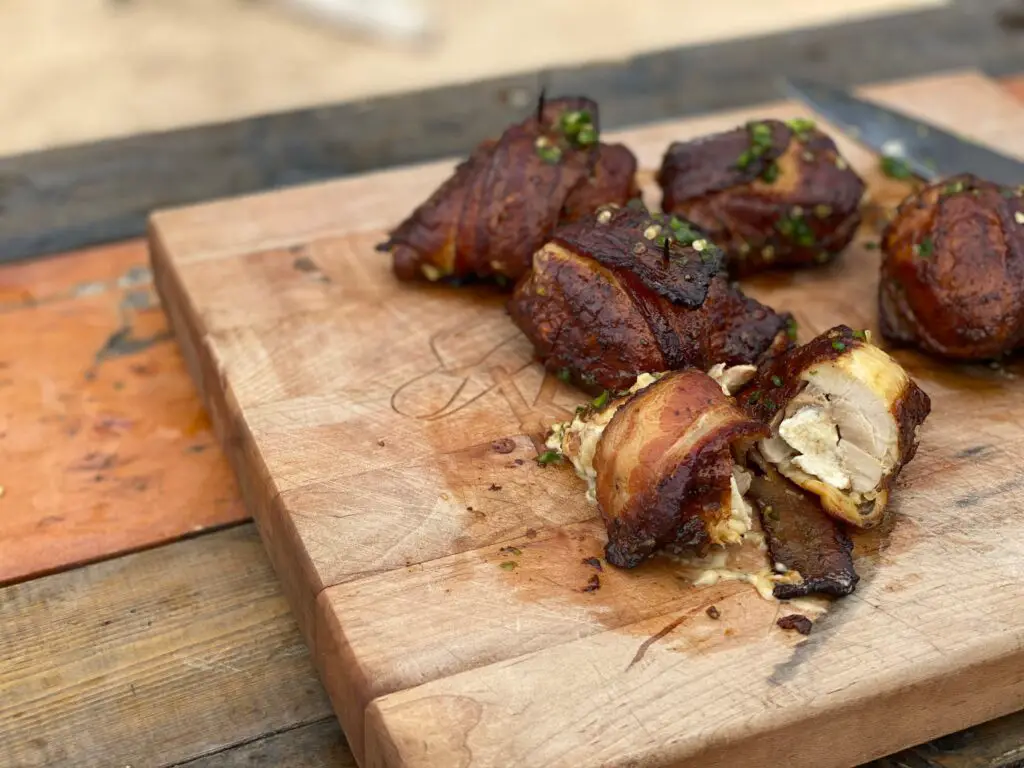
381, 435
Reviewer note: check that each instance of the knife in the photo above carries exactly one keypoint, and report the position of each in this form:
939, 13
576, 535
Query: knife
928, 151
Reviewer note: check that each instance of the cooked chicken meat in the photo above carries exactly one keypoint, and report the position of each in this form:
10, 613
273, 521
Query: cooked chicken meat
844, 419
659, 464
952, 276
506, 199
626, 291
772, 194
732, 378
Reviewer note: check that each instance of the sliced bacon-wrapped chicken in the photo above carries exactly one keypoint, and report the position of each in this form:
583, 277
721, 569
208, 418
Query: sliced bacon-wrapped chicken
771, 193
658, 461
625, 291
952, 276
506, 199
844, 420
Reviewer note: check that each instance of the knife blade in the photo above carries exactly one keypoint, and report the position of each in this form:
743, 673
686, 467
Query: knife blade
930, 152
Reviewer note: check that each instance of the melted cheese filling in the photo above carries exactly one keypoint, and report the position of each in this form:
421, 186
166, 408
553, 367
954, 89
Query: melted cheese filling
740, 522
715, 567
585, 435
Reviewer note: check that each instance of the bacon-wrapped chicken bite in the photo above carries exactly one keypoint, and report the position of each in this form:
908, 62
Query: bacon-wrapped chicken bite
625, 292
506, 199
952, 277
658, 461
772, 194
844, 420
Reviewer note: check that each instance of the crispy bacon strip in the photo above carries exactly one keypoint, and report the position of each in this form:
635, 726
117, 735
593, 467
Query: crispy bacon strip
506, 199
625, 292
803, 539
663, 466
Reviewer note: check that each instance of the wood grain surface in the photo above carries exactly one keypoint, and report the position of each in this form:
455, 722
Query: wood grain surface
151, 659
94, 408
361, 415
317, 745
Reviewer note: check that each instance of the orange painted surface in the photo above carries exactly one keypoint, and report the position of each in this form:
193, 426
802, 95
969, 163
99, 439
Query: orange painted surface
1015, 85
104, 446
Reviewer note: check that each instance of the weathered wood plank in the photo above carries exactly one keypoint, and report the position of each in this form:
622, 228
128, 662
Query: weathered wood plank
152, 659
315, 745
996, 744
67, 198
104, 444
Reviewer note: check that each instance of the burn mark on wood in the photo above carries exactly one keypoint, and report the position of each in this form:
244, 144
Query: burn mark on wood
307, 266
94, 461
970, 453
974, 499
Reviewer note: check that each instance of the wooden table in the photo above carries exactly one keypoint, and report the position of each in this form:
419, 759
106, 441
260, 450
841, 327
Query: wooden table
161, 637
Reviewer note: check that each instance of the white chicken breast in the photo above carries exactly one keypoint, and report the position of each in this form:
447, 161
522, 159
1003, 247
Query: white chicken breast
844, 421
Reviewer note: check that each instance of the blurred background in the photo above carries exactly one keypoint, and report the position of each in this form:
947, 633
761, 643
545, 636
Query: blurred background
81, 70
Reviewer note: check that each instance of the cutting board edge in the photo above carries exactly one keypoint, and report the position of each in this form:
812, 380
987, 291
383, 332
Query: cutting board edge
280, 539
261, 499
386, 743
